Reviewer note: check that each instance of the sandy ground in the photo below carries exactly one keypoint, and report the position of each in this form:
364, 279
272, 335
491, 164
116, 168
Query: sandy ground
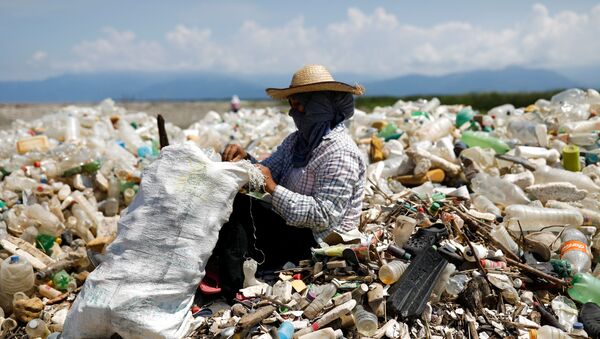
181, 113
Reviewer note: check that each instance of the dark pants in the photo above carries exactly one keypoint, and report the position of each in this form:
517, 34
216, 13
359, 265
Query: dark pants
278, 241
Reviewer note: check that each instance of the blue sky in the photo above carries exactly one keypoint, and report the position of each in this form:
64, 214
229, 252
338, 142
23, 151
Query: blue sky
385, 38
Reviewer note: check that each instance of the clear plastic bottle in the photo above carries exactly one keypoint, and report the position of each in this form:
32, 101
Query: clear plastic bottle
392, 271
49, 223
583, 126
320, 301
500, 234
440, 285
435, 130
498, 190
548, 332
534, 218
547, 174
527, 132
324, 333
403, 230
72, 129
586, 288
574, 249
484, 204
578, 330
36, 328
366, 322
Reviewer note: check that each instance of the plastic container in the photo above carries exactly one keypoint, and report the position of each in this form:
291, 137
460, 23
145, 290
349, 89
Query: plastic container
574, 249
528, 133
548, 332
570, 161
528, 152
36, 328
578, 330
547, 174
324, 333
392, 271
534, 218
484, 140
440, 285
313, 309
49, 223
583, 126
63, 281
586, 288
405, 227
498, 190
434, 130
16, 275
500, 234
484, 204
366, 322
286, 330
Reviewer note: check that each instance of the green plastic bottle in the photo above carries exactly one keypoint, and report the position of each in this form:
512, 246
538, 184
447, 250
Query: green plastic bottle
45, 242
63, 281
484, 140
586, 288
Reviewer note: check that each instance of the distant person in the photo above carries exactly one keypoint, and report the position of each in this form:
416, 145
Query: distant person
316, 179
235, 104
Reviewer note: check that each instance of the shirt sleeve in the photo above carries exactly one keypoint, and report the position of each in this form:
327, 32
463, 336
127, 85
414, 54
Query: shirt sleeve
277, 160
336, 179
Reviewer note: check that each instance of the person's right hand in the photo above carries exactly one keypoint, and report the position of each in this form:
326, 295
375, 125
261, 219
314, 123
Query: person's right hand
234, 152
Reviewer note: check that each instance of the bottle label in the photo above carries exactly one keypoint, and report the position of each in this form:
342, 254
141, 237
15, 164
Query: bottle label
573, 245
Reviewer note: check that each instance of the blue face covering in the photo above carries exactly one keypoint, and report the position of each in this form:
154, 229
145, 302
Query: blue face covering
322, 112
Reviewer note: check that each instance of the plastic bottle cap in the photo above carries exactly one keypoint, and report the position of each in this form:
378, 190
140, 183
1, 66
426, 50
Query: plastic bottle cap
14, 259
33, 324
577, 325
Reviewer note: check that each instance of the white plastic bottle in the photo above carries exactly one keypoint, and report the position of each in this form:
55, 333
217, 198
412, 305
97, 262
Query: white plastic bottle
534, 218
484, 204
313, 309
528, 152
527, 132
49, 223
578, 330
392, 271
574, 249
547, 174
500, 234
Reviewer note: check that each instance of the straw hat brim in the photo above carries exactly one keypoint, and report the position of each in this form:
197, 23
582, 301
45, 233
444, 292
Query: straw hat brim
283, 93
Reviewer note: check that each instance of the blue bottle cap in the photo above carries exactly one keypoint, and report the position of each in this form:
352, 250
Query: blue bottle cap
14, 259
577, 325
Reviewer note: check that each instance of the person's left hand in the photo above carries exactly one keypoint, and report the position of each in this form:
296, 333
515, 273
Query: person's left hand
270, 184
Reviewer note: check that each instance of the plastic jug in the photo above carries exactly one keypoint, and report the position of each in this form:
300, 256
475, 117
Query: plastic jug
16, 275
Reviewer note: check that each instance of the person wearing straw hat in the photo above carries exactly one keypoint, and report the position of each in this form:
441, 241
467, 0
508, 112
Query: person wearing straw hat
316, 176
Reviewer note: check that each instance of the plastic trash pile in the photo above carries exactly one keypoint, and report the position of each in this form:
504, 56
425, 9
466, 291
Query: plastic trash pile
474, 225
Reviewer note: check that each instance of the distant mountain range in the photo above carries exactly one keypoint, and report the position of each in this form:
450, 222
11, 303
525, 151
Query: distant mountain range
204, 85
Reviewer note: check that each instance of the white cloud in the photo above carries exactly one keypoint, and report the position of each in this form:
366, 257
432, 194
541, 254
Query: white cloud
376, 42
38, 56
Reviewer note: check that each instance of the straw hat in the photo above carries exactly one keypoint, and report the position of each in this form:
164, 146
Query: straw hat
312, 78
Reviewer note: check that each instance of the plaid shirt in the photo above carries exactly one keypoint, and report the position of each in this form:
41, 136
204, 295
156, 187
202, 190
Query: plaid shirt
326, 195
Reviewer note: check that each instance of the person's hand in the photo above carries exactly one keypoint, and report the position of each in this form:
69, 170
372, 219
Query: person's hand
270, 184
234, 152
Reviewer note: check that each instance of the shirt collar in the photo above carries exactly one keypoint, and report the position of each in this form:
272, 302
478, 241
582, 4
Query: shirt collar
335, 131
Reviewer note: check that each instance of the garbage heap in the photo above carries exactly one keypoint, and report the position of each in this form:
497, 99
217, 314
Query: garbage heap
474, 225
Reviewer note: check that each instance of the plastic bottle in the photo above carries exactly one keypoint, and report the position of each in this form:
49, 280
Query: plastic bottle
36, 328
578, 330
484, 140
366, 322
434, 130
586, 288
440, 285
583, 126
324, 333
534, 218
392, 271
548, 332
500, 234
529, 152
547, 174
456, 284
574, 249
63, 281
403, 230
286, 330
72, 129
498, 190
484, 204
320, 301
527, 132
49, 223
132, 140
570, 158
16, 275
